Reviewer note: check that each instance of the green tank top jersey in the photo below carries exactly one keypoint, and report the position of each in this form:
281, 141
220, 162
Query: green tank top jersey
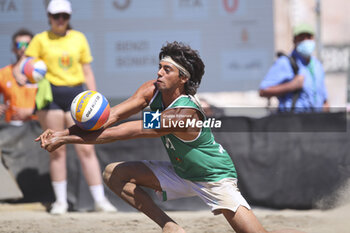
201, 159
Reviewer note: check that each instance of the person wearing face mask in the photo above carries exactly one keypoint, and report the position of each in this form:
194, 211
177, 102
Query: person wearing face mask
302, 90
19, 100
67, 55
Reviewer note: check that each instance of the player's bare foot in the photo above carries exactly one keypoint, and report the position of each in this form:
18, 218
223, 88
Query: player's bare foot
172, 227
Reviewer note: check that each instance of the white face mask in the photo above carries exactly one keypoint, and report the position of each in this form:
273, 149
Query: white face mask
306, 47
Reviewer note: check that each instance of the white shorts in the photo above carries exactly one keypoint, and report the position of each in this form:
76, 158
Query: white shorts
223, 194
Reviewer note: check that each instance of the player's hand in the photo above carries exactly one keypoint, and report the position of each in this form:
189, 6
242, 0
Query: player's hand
50, 140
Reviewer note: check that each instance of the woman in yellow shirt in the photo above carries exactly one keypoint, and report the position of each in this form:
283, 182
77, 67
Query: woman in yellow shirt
67, 56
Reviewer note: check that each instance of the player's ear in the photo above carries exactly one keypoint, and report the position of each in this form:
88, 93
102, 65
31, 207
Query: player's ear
183, 79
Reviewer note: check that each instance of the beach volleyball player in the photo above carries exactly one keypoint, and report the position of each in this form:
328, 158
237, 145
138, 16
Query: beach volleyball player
198, 165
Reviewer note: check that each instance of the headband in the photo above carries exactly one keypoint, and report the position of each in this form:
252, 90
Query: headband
177, 65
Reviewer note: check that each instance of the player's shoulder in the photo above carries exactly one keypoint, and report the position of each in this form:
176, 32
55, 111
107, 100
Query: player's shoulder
181, 113
148, 86
146, 91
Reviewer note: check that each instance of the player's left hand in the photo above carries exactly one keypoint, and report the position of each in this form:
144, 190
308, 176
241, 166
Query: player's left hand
50, 140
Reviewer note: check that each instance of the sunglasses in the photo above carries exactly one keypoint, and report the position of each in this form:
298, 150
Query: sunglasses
20, 45
65, 16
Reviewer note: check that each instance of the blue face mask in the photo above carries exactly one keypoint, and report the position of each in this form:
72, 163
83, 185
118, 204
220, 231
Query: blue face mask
306, 47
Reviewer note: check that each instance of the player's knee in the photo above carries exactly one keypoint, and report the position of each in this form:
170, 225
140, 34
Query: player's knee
106, 175
109, 172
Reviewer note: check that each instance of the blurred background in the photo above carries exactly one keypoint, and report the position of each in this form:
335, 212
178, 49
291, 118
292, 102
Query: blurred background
237, 39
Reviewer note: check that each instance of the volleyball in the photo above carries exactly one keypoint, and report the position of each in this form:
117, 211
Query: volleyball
90, 110
34, 69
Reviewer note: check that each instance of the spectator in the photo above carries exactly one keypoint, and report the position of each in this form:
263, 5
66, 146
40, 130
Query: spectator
302, 89
19, 100
67, 55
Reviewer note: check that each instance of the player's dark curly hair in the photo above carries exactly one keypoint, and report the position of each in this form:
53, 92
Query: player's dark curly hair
189, 59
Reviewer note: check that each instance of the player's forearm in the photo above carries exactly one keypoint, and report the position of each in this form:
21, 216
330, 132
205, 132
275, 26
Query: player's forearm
75, 135
83, 139
124, 110
133, 105
114, 116
129, 130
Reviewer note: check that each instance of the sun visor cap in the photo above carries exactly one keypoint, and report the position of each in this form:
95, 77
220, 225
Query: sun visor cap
303, 28
59, 6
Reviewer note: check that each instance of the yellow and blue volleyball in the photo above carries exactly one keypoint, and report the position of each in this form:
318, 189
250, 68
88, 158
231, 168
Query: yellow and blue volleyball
90, 110
34, 69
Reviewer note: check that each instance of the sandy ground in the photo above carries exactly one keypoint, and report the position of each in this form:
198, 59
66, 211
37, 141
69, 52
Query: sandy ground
34, 219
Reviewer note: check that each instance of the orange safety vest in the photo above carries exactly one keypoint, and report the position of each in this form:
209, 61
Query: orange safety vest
14, 94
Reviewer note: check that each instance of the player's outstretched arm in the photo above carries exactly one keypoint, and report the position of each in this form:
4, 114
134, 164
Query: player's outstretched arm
138, 101
51, 140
